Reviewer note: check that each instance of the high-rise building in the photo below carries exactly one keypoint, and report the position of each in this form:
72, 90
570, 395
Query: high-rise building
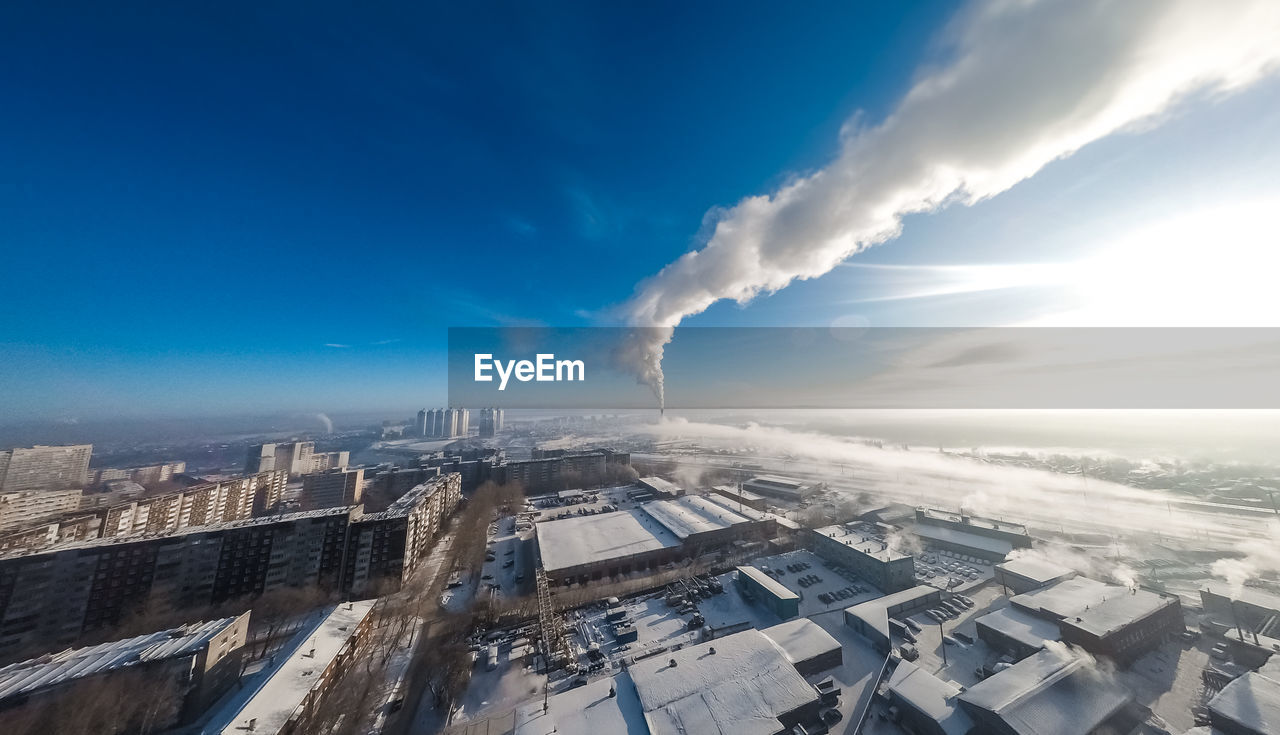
332, 488
44, 468
421, 426
299, 458
22, 509
262, 458
450, 427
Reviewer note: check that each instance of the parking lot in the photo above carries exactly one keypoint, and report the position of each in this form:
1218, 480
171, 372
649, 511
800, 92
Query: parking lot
952, 570
821, 585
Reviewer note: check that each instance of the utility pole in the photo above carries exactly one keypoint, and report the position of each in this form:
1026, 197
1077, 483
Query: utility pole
942, 640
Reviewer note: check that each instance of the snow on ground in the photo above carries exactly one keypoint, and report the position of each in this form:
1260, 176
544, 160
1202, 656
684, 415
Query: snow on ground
827, 582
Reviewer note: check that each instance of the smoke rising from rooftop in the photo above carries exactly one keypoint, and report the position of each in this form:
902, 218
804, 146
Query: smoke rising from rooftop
1025, 83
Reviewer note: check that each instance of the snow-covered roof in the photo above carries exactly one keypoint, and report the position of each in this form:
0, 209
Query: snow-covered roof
776, 588
659, 485
863, 538
1067, 598
930, 696
963, 538
742, 510
1252, 701
281, 694
1119, 611
578, 540
1022, 627
1035, 569
32, 675
735, 492
875, 613
801, 640
742, 688
693, 514
1052, 692
586, 710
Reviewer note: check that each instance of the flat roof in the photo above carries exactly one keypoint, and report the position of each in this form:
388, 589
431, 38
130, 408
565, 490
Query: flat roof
1253, 700
744, 494
930, 696
801, 640
577, 540
586, 710
32, 675
1022, 627
775, 480
742, 688
692, 514
863, 540
1068, 597
749, 513
1052, 692
775, 587
1119, 611
990, 524
1252, 596
279, 696
963, 538
1035, 568
657, 484
876, 612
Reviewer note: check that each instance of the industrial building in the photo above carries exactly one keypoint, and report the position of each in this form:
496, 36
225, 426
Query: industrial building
1054, 692
741, 684
1027, 573
1105, 619
660, 487
332, 488
1251, 615
742, 497
583, 548
808, 647
985, 538
290, 700
864, 550
755, 585
778, 487
44, 468
1250, 705
196, 662
744, 684
871, 619
1018, 633
926, 704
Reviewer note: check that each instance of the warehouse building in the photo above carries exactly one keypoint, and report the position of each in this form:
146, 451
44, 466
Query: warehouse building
871, 619
778, 487
1055, 691
195, 663
1015, 632
1105, 619
863, 549
1250, 705
660, 487
809, 648
1251, 614
745, 498
985, 538
583, 548
926, 704
755, 585
1027, 573
741, 684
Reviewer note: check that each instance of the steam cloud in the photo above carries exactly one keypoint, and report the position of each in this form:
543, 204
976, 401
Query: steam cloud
1258, 556
1028, 82
328, 422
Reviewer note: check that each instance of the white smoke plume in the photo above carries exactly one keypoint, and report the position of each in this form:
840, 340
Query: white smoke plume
1258, 556
328, 422
1027, 82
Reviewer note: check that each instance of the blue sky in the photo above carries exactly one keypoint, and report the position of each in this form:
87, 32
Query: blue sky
231, 207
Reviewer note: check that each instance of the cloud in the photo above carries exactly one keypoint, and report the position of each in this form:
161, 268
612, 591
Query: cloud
1026, 83
385, 342
337, 345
